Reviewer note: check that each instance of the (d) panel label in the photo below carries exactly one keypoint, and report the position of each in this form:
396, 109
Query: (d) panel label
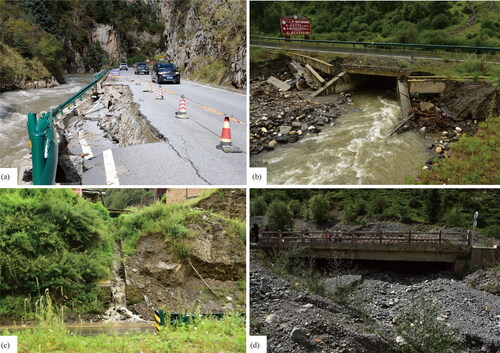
257, 344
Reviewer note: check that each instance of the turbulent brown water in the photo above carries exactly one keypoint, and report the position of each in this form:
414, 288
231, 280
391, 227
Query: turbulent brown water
356, 150
14, 106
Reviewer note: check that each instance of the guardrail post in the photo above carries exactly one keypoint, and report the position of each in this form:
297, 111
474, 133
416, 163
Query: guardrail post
31, 125
440, 236
409, 236
380, 237
301, 237
37, 156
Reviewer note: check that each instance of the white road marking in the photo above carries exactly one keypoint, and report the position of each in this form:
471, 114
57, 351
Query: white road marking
85, 147
109, 168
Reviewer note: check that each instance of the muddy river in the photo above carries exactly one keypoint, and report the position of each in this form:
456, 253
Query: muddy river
356, 150
14, 106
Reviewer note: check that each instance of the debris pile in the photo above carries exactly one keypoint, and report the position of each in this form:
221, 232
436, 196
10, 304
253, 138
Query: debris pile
282, 111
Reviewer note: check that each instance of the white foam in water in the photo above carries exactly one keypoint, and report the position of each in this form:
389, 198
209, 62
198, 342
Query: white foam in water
355, 151
14, 106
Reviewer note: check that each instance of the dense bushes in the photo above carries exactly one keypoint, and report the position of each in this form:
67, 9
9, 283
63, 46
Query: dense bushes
449, 207
54, 240
436, 22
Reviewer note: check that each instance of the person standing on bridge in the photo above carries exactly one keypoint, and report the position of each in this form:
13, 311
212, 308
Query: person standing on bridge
255, 233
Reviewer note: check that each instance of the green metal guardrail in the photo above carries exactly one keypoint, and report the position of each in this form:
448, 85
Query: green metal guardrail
44, 147
387, 45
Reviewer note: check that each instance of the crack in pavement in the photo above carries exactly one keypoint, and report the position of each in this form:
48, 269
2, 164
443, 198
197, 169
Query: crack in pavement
187, 160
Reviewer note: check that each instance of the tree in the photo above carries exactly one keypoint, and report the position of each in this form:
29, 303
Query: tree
433, 205
320, 207
258, 206
50, 52
279, 216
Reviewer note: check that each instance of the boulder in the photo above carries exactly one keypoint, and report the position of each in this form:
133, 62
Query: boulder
282, 139
298, 335
273, 143
426, 106
285, 129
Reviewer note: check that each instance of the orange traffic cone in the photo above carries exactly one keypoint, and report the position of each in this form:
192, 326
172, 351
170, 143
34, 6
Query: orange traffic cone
181, 113
159, 93
150, 88
225, 139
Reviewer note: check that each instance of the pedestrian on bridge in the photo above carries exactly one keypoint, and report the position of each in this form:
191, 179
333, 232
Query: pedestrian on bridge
254, 233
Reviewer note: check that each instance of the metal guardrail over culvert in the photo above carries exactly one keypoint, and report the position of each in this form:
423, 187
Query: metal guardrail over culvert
43, 139
380, 45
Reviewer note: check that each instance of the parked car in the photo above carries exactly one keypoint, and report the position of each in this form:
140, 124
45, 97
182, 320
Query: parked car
123, 66
165, 72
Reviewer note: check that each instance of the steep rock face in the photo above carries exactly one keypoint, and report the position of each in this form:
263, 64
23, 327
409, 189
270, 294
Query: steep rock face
109, 39
204, 33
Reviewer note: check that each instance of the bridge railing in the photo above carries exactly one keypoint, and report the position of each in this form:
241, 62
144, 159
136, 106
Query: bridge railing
388, 237
381, 45
43, 140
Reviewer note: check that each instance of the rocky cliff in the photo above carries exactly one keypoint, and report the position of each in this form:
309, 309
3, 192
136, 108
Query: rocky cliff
205, 39
204, 36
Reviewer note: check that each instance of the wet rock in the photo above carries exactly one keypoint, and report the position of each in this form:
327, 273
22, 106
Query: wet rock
285, 129
282, 139
273, 143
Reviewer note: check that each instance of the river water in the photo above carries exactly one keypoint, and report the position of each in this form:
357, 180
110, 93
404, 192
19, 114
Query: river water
14, 106
356, 150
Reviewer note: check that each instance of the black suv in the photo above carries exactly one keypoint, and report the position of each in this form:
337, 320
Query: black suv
141, 68
165, 72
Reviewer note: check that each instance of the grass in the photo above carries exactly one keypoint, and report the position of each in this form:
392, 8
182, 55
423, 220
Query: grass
423, 332
203, 335
208, 70
206, 335
474, 160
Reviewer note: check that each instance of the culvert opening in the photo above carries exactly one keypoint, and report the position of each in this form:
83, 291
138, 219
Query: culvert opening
375, 83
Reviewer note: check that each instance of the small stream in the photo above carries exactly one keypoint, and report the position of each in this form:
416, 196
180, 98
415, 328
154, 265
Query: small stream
356, 150
118, 310
14, 106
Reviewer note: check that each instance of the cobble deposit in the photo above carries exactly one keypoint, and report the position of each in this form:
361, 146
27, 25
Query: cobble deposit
297, 321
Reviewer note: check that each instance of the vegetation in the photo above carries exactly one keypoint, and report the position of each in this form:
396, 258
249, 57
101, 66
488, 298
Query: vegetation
422, 207
54, 241
48, 32
203, 335
475, 159
124, 198
450, 23
279, 216
422, 331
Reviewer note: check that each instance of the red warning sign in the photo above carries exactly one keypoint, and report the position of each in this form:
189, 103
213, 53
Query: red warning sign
295, 25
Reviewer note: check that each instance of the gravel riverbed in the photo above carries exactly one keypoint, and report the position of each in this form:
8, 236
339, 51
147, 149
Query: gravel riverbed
365, 319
